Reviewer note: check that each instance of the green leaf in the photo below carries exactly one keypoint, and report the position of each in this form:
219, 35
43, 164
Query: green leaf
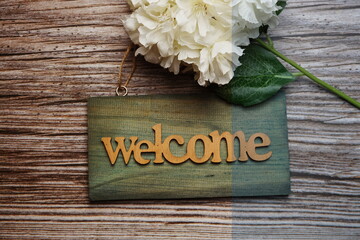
282, 4
260, 76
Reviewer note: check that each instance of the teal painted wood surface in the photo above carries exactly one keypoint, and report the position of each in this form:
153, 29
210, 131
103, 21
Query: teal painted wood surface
186, 116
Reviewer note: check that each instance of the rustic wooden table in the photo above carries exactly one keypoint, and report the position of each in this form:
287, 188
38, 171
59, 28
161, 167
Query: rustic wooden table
56, 54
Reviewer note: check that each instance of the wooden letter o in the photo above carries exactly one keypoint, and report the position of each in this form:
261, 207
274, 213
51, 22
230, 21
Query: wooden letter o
191, 148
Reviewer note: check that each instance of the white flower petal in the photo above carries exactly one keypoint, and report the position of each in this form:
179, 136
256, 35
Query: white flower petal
203, 34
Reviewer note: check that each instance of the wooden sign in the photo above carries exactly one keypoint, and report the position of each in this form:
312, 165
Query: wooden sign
180, 146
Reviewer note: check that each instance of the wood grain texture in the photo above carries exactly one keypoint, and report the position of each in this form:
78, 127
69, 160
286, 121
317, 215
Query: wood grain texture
56, 54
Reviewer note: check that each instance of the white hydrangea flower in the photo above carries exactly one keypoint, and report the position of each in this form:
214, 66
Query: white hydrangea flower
204, 34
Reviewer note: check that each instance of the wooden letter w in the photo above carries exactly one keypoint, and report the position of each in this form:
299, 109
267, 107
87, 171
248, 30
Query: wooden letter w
120, 147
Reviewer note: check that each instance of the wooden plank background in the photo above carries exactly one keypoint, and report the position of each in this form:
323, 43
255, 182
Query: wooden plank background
56, 54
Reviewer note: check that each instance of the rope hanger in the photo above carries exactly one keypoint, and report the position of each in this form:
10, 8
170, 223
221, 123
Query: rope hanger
120, 86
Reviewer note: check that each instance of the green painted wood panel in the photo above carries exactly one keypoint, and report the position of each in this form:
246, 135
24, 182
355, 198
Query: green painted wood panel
186, 116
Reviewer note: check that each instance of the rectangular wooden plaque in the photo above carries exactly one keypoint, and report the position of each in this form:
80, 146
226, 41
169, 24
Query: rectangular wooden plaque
180, 146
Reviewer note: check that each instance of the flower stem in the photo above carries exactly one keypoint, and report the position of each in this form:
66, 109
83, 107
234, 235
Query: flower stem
270, 42
309, 75
298, 74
